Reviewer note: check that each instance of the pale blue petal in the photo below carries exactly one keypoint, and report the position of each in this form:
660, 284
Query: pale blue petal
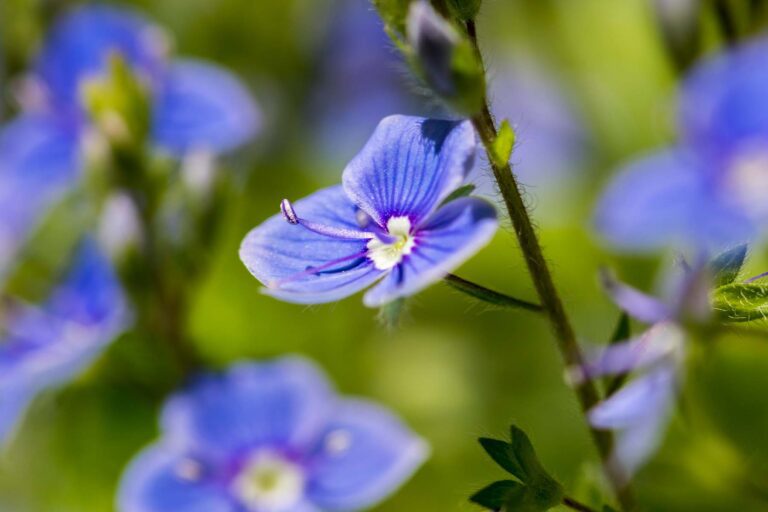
366, 454
724, 107
14, 401
451, 236
666, 199
47, 346
658, 342
279, 254
636, 444
38, 163
277, 404
155, 482
80, 44
408, 166
200, 106
648, 395
639, 305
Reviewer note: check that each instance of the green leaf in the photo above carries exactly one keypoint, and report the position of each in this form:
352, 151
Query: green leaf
726, 266
460, 192
537, 497
503, 145
503, 454
488, 296
393, 13
741, 302
496, 495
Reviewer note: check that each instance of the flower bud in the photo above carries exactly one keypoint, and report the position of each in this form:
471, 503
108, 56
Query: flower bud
445, 59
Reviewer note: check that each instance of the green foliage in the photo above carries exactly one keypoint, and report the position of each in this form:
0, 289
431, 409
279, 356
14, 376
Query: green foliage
503, 145
741, 302
465, 9
118, 104
462, 191
394, 14
536, 491
725, 267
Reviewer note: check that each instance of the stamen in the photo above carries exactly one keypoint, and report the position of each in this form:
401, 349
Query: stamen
344, 233
321, 269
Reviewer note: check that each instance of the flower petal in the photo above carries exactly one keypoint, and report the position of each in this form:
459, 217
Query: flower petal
46, 347
365, 455
38, 162
408, 166
282, 403
660, 341
200, 106
448, 238
723, 102
639, 305
648, 395
80, 44
665, 199
278, 253
156, 481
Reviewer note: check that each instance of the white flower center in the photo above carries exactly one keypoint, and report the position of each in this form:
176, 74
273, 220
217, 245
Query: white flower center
748, 180
387, 255
269, 483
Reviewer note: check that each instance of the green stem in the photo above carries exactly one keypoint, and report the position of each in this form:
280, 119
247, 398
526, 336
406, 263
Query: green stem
490, 296
577, 505
538, 268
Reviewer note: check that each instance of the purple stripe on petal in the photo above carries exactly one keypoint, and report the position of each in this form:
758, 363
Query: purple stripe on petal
452, 235
365, 455
408, 166
281, 255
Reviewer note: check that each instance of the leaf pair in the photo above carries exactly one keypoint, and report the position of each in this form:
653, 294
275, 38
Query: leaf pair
534, 490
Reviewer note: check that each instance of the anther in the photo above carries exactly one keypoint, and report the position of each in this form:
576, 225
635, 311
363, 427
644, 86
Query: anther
288, 212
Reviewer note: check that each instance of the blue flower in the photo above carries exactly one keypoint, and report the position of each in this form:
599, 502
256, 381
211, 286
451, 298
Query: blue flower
195, 106
270, 437
708, 191
47, 345
639, 411
385, 223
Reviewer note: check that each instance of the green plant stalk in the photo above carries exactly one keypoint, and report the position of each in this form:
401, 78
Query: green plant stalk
489, 296
538, 268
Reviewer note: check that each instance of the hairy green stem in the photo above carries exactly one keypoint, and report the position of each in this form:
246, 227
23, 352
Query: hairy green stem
538, 268
489, 296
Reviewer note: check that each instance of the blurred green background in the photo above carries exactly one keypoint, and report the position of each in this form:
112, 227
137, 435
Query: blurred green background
454, 369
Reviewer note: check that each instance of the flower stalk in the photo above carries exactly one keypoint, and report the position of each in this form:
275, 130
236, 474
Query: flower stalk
538, 268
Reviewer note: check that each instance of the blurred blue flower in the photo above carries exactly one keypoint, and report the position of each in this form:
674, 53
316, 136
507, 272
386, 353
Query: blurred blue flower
47, 345
640, 410
386, 222
195, 106
270, 437
360, 80
710, 190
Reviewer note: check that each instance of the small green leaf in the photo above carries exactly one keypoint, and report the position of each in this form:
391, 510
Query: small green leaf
460, 192
741, 302
726, 267
489, 296
538, 497
496, 495
503, 145
526, 455
503, 454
